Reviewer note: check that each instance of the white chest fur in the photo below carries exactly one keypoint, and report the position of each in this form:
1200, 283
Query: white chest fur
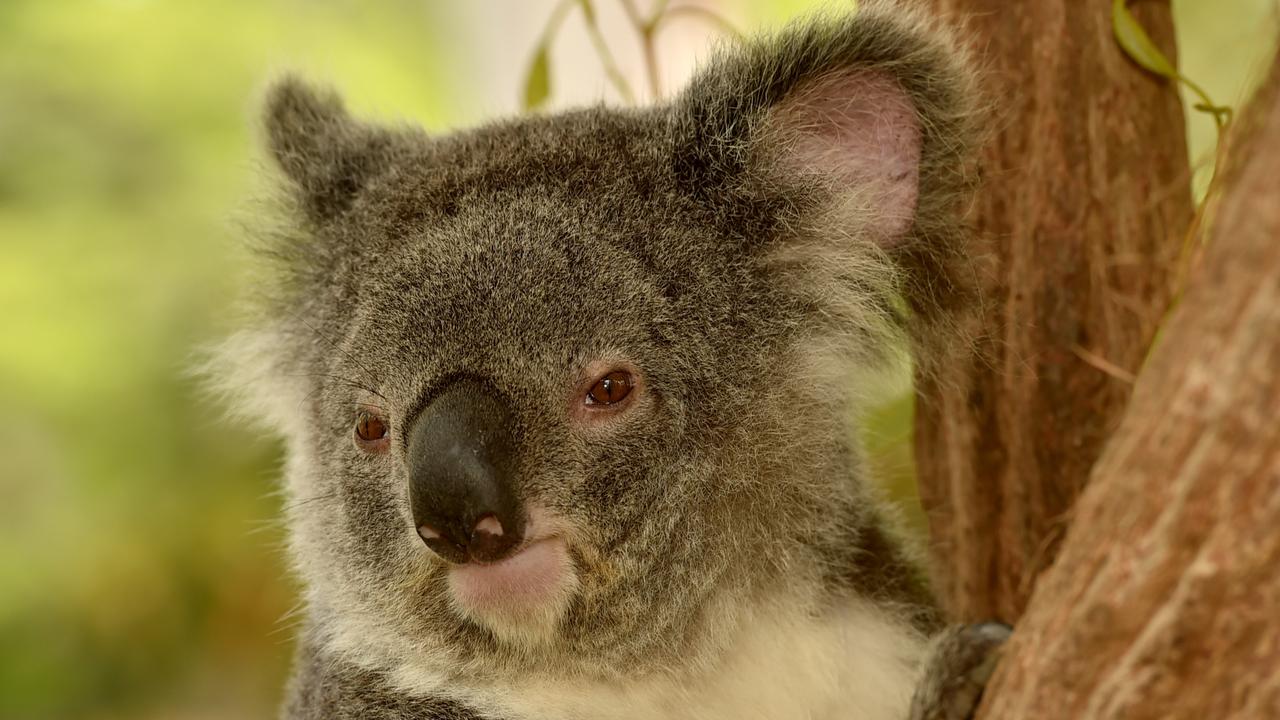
857, 664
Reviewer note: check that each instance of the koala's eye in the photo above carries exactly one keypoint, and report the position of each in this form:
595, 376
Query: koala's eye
371, 432
610, 389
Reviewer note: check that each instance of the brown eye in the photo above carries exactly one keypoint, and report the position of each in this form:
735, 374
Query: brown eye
371, 431
610, 389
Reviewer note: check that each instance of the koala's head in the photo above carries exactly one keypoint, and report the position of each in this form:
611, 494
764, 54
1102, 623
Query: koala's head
567, 391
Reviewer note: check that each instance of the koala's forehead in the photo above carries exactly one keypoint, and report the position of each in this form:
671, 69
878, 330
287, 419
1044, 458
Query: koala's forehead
538, 240
515, 266
506, 288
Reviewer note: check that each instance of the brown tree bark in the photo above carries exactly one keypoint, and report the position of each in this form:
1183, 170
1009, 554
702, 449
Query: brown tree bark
1086, 199
1165, 600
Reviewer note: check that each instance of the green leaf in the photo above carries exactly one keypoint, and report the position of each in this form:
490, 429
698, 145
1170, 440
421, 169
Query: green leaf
537, 84
1140, 47
1137, 43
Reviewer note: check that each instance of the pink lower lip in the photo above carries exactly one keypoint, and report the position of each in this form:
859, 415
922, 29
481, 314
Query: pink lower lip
525, 580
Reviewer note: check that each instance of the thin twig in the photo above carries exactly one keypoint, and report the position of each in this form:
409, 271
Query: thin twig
650, 35
558, 15
633, 14
1097, 361
606, 58
644, 28
648, 32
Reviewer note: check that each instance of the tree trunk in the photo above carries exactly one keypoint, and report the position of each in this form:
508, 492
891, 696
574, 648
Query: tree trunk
1165, 600
1085, 198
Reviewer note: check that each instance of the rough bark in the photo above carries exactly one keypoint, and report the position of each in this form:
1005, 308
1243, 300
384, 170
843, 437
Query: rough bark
1165, 600
1085, 198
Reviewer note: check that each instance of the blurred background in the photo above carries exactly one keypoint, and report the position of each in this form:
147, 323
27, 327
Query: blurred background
141, 573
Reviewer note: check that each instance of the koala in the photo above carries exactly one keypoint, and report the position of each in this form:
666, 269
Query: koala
569, 399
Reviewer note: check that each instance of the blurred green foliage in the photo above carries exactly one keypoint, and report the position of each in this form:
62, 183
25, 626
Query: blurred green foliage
140, 572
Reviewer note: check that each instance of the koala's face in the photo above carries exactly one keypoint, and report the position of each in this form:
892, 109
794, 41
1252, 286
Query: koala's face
562, 393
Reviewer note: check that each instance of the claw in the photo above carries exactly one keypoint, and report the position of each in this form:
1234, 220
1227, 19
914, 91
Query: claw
962, 660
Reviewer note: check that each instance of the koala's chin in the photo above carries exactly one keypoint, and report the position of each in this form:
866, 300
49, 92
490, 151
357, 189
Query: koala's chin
521, 598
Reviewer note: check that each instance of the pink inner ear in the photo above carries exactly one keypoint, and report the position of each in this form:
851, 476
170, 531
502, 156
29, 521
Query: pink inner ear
860, 129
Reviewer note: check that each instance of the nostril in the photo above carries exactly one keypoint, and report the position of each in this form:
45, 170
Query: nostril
489, 541
441, 544
489, 525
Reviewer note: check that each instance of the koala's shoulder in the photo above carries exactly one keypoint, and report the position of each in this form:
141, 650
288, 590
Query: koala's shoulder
324, 688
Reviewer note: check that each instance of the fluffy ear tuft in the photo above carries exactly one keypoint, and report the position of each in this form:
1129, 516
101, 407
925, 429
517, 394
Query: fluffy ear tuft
326, 154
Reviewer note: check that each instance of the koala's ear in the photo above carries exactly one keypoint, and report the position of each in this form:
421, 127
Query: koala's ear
848, 136
326, 154
871, 104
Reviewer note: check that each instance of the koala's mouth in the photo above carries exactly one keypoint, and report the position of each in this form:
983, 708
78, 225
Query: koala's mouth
522, 596
531, 576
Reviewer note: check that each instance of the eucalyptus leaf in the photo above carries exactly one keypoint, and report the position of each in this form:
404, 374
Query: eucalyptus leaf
1137, 43
537, 84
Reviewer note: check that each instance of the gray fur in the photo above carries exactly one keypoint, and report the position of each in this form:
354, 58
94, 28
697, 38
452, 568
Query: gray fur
324, 689
750, 296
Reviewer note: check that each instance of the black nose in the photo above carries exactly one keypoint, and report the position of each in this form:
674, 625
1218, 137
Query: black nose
462, 470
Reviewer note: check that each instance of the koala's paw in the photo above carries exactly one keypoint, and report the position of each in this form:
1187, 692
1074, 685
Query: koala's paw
960, 662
